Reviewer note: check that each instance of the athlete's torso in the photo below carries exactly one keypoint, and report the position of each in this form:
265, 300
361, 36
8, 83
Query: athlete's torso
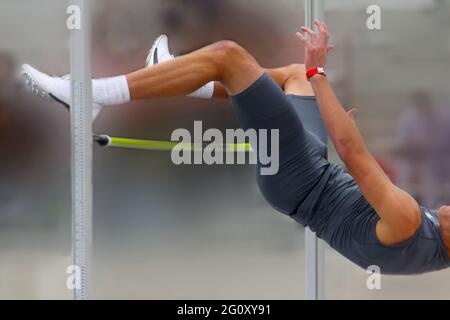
338, 212
346, 221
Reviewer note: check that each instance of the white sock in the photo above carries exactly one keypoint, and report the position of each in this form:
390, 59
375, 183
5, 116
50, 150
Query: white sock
205, 92
114, 91
63, 90
111, 91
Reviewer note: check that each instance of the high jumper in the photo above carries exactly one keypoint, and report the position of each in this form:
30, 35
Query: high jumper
358, 211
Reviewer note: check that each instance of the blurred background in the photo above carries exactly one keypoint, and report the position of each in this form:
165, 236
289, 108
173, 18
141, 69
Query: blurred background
198, 232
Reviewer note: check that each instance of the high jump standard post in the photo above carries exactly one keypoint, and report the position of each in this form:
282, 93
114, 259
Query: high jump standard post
314, 248
82, 146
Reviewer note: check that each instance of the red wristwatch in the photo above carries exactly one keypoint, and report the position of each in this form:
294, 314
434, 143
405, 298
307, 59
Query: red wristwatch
313, 72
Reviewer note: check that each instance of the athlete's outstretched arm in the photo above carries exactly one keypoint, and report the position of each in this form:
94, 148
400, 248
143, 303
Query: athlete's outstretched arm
399, 213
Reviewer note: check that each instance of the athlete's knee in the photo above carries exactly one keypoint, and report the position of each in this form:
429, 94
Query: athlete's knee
228, 49
229, 55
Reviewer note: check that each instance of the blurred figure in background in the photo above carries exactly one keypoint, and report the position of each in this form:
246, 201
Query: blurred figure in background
419, 148
437, 186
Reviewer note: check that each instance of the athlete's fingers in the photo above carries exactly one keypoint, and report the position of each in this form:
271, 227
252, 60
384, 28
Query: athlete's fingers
304, 40
323, 24
312, 34
301, 38
319, 26
323, 33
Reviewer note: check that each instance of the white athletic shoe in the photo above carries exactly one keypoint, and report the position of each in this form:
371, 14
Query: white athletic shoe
51, 88
159, 52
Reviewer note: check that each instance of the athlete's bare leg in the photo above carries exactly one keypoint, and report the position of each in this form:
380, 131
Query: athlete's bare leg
291, 79
225, 62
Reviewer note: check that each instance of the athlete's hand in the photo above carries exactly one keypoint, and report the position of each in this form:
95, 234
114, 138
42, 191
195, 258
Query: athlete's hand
317, 47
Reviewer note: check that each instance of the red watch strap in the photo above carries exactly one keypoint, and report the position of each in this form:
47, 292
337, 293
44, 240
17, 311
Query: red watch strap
313, 72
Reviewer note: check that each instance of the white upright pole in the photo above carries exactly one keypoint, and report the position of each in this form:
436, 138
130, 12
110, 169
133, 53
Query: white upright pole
314, 248
81, 134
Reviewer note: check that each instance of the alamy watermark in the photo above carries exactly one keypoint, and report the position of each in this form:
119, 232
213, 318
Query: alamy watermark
73, 281
374, 280
213, 147
73, 21
373, 22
